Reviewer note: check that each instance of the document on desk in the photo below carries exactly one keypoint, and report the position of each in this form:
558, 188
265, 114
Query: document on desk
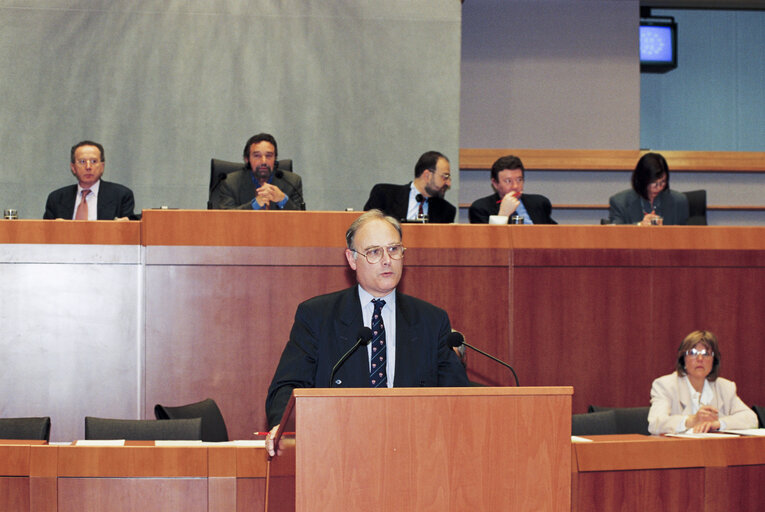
702, 435
177, 443
577, 439
747, 432
100, 442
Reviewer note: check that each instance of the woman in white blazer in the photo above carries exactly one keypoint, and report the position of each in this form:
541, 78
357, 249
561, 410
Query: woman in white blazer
694, 398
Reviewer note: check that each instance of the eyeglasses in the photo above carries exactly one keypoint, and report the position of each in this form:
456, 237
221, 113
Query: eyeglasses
375, 254
703, 353
658, 184
83, 162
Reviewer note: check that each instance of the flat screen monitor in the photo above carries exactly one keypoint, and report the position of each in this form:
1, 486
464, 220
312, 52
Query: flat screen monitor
658, 46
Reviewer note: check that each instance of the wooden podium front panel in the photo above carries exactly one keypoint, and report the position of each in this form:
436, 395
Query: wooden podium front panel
443, 449
14, 493
132, 494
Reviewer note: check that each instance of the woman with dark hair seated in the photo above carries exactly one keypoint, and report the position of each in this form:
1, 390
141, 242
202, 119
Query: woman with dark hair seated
649, 201
694, 398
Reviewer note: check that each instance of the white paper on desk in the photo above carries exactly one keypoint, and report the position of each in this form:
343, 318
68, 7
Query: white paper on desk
251, 443
172, 442
100, 442
746, 432
702, 435
577, 439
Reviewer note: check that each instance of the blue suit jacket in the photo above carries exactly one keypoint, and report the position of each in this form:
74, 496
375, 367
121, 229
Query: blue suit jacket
114, 200
327, 326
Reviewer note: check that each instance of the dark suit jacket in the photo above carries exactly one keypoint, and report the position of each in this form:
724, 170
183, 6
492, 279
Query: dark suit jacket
327, 326
393, 200
539, 209
114, 200
625, 207
237, 191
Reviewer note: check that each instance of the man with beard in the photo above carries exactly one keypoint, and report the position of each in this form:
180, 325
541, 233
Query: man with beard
421, 200
259, 186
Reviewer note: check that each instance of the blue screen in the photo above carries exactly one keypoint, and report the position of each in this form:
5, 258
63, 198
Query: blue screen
656, 43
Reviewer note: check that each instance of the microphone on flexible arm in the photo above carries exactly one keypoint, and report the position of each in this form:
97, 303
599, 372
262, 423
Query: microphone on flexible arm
363, 337
280, 174
456, 339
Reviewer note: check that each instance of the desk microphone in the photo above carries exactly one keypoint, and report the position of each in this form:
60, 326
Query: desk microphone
364, 335
455, 339
280, 174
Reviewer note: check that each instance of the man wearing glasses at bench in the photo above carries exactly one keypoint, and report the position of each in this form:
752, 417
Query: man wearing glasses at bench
408, 346
91, 198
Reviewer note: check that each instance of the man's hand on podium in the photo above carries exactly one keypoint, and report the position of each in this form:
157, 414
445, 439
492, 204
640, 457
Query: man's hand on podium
270, 448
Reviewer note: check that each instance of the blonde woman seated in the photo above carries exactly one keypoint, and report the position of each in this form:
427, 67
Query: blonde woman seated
694, 398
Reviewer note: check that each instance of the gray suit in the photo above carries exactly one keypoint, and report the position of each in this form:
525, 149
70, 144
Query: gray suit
625, 207
237, 191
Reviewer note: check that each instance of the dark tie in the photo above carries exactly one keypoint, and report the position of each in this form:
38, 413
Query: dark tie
420, 201
377, 376
82, 209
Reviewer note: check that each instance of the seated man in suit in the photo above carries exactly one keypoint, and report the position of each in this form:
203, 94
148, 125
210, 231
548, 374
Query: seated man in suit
507, 179
91, 198
419, 200
259, 185
409, 336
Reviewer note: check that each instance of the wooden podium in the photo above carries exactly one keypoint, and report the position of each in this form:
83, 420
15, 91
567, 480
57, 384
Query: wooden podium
419, 449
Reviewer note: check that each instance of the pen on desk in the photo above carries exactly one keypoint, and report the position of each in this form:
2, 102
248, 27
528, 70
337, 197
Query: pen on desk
266, 433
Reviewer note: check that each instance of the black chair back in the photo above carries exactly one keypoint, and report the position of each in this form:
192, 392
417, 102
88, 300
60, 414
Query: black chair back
213, 425
629, 420
759, 410
697, 207
143, 430
37, 429
593, 424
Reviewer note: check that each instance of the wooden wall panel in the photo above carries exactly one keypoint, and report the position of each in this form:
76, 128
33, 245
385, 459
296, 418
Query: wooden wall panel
130, 494
584, 327
641, 490
14, 493
218, 332
725, 300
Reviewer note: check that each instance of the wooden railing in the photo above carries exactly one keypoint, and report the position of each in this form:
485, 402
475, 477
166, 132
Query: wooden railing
615, 160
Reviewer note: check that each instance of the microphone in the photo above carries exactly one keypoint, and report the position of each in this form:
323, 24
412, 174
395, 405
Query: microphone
364, 335
455, 339
280, 175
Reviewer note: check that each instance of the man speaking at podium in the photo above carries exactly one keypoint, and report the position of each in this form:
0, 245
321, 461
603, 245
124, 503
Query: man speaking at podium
406, 347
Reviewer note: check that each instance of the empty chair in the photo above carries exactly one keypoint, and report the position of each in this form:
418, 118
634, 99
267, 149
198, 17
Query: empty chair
760, 412
629, 420
697, 207
25, 428
213, 425
220, 168
593, 423
143, 430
